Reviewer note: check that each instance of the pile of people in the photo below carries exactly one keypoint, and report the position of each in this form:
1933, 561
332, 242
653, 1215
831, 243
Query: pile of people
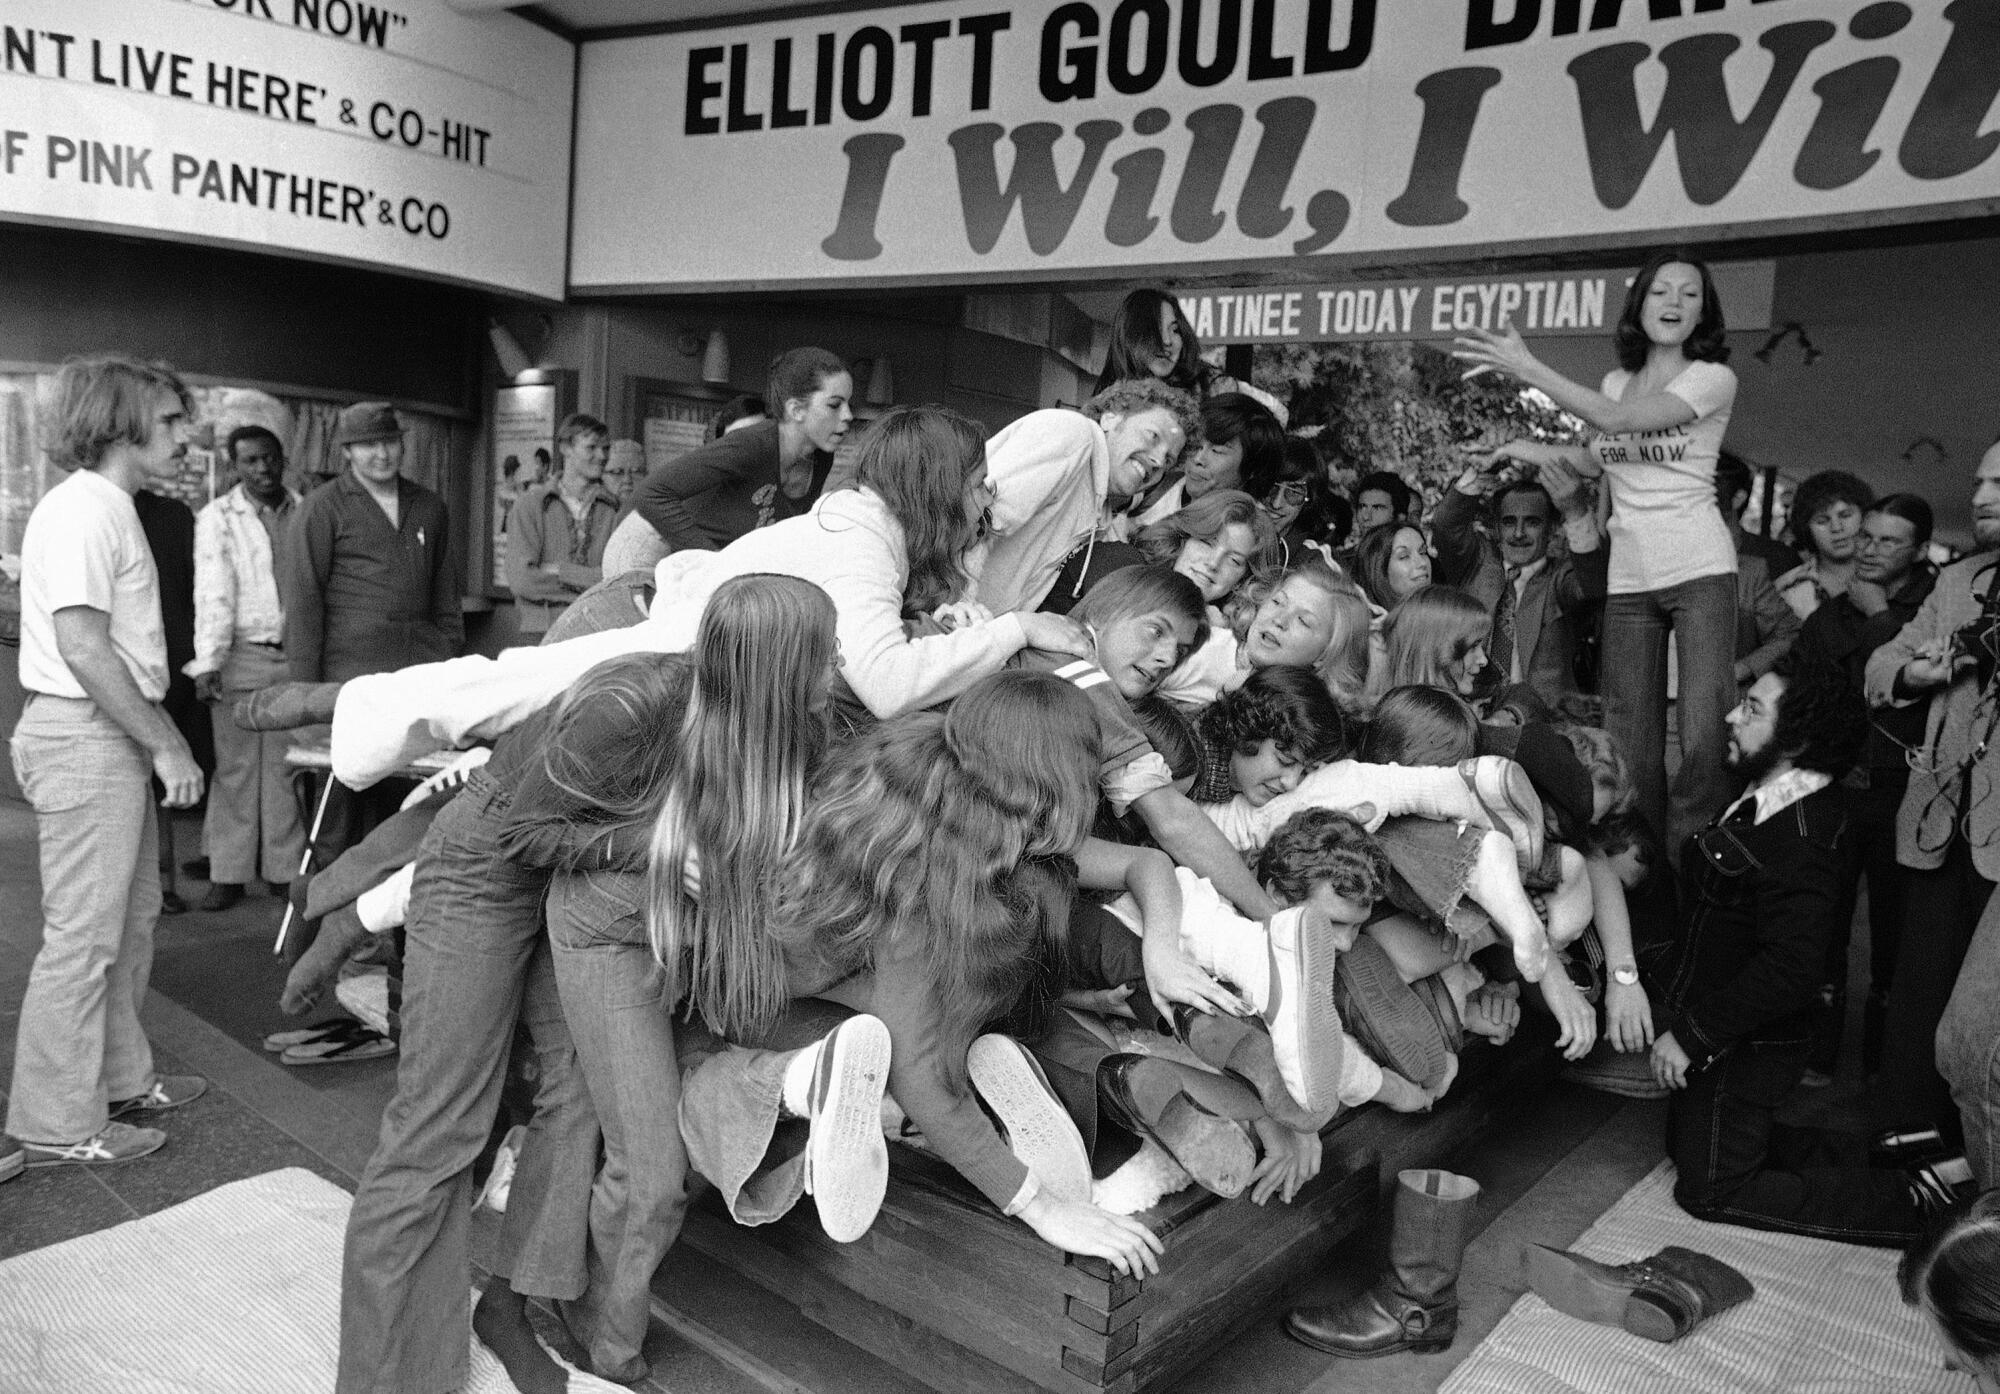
1038, 798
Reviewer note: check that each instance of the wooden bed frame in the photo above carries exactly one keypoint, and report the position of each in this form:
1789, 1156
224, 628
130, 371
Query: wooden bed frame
954, 1294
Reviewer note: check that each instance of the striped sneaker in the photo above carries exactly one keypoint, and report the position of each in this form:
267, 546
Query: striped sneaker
165, 1092
847, 1158
118, 1142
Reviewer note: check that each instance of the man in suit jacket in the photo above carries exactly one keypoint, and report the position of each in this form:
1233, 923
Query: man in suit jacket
1534, 629
1948, 829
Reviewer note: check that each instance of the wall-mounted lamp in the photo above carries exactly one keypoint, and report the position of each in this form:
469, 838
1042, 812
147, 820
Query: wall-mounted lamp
514, 359
881, 385
1791, 329
713, 350
715, 358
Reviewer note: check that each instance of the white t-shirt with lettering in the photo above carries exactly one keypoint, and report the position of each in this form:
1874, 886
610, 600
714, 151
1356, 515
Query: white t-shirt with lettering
84, 547
1665, 525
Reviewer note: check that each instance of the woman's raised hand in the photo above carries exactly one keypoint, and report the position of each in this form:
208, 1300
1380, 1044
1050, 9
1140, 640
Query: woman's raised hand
1505, 352
1078, 1227
1057, 634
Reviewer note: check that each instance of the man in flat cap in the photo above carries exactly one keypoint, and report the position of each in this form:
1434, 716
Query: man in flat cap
369, 583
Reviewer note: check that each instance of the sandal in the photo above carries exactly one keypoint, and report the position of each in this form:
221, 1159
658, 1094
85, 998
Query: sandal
362, 1045
280, 1041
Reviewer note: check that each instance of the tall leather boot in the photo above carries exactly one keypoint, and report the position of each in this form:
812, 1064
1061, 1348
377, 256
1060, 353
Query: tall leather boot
1661, 1298
1414, 1306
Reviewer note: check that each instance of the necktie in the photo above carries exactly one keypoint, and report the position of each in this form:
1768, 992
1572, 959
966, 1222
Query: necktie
1500, 653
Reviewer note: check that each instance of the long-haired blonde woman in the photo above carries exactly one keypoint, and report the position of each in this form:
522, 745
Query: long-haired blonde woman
683, 764
476, 961
1437, 637
1315, 618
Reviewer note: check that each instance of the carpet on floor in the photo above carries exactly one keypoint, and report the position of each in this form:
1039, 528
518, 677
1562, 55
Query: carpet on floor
234, 1292
1827, 1319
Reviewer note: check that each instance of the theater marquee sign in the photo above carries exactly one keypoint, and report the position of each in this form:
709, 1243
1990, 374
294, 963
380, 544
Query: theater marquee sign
398, 134
974, 140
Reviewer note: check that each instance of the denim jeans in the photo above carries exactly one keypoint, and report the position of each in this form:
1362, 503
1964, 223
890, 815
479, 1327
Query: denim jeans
474, 932
1701, 616
1738, 1166
731, 1112
615, 995
1968, 1047
79, 1043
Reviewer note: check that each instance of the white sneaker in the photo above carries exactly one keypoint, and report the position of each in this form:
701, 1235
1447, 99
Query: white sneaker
847, 1158
1038, 1129
1305, 1025
500, 1181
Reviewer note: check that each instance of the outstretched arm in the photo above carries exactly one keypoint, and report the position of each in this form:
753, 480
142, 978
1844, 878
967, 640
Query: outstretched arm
1187, 835
1171, 975
1509, 353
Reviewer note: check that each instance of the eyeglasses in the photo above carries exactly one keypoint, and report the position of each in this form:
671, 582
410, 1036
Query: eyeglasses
1291, 491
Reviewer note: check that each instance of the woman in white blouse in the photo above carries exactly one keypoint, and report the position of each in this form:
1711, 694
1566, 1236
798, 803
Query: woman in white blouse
1660, 418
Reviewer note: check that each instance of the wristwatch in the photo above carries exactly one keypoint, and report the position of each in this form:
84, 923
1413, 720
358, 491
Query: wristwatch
1625, 977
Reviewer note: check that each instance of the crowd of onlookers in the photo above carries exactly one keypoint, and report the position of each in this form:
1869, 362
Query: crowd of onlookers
1135, 775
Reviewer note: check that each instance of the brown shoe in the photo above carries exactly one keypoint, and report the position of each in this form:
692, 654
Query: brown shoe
222, 895
1661, 1298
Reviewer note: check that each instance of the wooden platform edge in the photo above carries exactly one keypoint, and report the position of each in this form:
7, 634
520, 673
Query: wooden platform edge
969, 1302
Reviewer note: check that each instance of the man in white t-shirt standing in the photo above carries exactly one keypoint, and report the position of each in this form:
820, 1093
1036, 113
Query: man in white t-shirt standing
90, 740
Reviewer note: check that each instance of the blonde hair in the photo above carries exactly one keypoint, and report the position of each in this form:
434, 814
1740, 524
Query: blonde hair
734, 798
1597, 751
1343, 665
1430, 633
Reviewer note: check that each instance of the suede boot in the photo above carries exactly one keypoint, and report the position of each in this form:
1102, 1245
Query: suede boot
1146, 1096
1661, 1298
1415, 1304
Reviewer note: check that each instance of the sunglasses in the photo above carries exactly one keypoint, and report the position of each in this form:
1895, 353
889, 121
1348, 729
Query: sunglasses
1292, 491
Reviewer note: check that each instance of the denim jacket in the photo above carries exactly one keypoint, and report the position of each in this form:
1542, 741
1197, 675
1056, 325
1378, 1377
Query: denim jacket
1759, 902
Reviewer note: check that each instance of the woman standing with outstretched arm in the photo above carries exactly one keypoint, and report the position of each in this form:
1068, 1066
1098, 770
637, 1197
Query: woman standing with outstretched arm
1660, 418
